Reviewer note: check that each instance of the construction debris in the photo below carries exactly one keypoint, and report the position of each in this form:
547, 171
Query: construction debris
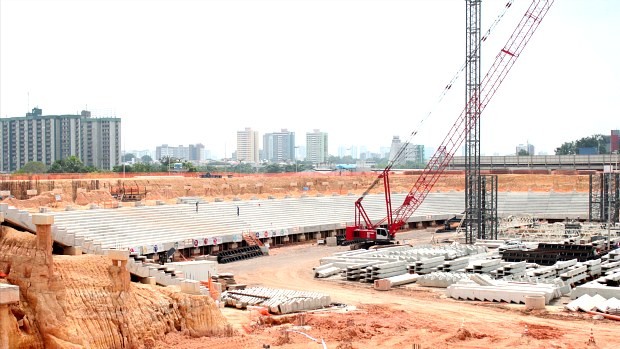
278, 301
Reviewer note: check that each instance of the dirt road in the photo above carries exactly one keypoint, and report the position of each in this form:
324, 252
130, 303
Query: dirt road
399, 318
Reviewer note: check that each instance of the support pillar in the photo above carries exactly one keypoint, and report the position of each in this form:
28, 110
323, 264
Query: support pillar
9, 294
119, 259
43, 223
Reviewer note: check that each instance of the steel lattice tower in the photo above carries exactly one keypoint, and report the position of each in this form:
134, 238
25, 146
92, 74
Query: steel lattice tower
473, 211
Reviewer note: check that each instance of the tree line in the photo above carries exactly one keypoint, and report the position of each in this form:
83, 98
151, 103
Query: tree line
73, 164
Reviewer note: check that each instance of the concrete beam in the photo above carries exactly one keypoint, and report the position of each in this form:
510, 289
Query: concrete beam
118, 255
72, 250
9, 294
42, 219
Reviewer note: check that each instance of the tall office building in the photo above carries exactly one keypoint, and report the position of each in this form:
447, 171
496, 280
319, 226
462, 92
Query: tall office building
47, 138
316, 147
247, 145
279, 146
614, 145
529, 148
411, 153
193, 153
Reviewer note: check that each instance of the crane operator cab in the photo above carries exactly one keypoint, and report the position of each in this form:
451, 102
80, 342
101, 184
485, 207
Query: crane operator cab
382, 234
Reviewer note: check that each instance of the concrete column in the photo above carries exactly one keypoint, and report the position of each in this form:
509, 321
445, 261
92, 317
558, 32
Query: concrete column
43, 223
4, 326
44, 231
119, 259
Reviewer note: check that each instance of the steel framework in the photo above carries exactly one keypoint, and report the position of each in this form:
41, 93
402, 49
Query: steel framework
604, 198
488, 207
473, 183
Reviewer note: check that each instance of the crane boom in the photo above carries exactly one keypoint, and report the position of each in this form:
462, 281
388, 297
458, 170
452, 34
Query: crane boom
435, 167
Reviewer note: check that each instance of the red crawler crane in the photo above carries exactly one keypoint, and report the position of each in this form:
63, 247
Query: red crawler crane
367, 233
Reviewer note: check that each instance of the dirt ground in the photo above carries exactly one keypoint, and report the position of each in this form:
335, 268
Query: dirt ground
400, 318
404, 317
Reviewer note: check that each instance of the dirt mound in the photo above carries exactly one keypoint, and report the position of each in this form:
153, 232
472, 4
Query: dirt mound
93, 197
45, 199
86, 302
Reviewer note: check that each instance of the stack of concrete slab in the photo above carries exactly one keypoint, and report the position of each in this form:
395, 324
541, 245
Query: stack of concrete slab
502, 291
278, 301
595, 303
441, 279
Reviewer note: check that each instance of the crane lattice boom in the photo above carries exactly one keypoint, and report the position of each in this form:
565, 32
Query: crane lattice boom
435, 167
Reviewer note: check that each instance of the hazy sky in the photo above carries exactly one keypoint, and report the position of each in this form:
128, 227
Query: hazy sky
185, 72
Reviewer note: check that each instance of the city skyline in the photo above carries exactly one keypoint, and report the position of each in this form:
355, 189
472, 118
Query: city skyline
197, 72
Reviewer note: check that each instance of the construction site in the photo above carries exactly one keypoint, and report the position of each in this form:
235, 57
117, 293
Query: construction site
427, 258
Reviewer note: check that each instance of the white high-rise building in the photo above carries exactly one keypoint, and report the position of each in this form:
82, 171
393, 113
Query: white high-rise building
247, 145
411, 153
316, 147
279, 146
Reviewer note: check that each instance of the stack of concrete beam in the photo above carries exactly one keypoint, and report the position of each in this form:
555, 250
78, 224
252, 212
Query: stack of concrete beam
606, 286
454, 265
326, 270
387, 283
384, 270
426, 265
595, 303
509, 268
564, 266
226, 280
594, 267
575, 274
502, 291
356, 271
441, 279
278, 301
483, 266
611, 262
548, 272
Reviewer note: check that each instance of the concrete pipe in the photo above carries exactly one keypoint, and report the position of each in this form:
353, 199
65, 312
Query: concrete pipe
534, 302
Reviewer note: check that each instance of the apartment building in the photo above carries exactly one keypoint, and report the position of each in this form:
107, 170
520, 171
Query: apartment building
317, 147
279, 146
47, 138
247, 146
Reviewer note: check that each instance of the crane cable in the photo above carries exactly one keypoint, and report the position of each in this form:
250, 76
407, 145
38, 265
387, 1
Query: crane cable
403, 148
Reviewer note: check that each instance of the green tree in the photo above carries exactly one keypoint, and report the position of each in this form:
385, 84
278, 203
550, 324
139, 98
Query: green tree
273, 168
523, 152
128, 157
71, 164
146, 159
33, 167
597, 141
